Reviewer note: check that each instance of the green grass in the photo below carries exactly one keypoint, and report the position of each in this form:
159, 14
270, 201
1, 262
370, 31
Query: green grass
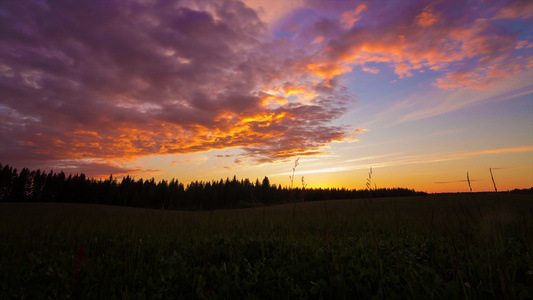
435, 247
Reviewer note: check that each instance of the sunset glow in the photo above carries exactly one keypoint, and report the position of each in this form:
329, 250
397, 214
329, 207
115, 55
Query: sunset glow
421, 91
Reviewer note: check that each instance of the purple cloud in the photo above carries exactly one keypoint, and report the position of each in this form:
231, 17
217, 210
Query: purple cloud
472, 46
123, 79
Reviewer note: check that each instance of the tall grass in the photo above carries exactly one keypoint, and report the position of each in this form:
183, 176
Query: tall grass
369, 183
468, 180
493, 182
296, 163
440, 246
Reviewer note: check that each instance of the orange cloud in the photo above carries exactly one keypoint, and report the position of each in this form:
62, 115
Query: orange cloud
268, 135
501, 150
303, 92
452, 81
427, 17
360, 130
352, 16
271, 100
318, 39
328, 70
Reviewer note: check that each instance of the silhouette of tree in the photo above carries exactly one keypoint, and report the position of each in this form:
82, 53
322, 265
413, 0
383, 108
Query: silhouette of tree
39, 186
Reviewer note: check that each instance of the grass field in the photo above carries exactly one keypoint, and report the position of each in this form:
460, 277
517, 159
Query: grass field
475, 246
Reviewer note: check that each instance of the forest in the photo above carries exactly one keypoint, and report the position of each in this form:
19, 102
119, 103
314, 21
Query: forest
39, 186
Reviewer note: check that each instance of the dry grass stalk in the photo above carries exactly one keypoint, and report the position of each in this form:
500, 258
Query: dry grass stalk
468, 179
369, 183
494, 183
296, 163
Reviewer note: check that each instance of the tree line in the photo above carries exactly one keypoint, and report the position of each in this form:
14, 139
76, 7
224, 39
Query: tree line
39, 186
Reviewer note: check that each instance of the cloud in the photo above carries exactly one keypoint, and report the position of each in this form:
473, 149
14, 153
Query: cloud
125, 79
351, 16
94, 168
450, 156
271, 11
427, 17
325, 170
431, 103
513, 168
501, 150
122, 79
521, 9
372, 70
398, 159
466, 46
456, 181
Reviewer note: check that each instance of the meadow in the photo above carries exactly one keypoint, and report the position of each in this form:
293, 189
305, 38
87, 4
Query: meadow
454, 246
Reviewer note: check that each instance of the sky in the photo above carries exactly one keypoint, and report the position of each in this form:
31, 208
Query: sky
420, 91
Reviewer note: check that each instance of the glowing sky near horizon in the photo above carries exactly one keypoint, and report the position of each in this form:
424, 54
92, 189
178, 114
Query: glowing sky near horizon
421, 91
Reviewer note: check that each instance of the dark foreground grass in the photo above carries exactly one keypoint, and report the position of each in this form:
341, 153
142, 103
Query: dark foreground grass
435, 247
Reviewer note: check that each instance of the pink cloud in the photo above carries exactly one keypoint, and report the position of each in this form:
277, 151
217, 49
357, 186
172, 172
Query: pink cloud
372, 70
521, 9
429, 38
462, 79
